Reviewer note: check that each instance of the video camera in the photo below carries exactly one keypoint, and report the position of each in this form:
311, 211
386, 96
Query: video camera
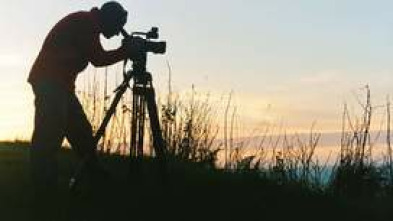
146, 45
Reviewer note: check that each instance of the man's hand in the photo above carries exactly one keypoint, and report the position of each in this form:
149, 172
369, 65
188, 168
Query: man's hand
134, 47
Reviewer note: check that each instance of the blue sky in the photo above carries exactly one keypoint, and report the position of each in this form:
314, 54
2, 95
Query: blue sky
295, 61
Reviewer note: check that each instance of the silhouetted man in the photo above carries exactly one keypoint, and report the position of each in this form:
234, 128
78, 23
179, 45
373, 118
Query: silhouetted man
68, 48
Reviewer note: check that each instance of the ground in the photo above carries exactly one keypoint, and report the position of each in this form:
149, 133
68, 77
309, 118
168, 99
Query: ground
186, 192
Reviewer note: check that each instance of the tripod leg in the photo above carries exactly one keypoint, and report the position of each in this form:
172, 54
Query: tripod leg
158, 141
141, 128
134, 123
137, 130
79, 170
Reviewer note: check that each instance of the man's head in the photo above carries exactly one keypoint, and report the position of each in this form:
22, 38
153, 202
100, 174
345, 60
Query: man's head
113, 17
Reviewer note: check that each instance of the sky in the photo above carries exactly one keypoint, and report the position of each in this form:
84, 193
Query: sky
290, 61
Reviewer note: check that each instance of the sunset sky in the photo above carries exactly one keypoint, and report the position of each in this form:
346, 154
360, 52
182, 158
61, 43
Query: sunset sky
289, 61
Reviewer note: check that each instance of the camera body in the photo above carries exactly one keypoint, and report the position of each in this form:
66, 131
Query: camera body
158, 47
144, 42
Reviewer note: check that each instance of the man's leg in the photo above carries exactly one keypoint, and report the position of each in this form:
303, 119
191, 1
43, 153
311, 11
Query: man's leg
79, 131
50, 117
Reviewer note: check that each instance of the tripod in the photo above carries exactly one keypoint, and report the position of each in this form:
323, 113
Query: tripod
143, 97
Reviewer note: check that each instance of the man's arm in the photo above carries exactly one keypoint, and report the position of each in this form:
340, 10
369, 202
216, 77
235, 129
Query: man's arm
99, 57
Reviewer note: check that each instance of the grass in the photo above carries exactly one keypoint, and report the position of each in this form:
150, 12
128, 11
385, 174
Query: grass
188, 191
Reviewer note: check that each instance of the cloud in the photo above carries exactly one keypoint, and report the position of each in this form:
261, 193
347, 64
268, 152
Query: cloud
323, 77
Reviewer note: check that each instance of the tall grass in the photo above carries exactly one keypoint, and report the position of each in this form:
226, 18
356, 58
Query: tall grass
191, 127
357, 173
